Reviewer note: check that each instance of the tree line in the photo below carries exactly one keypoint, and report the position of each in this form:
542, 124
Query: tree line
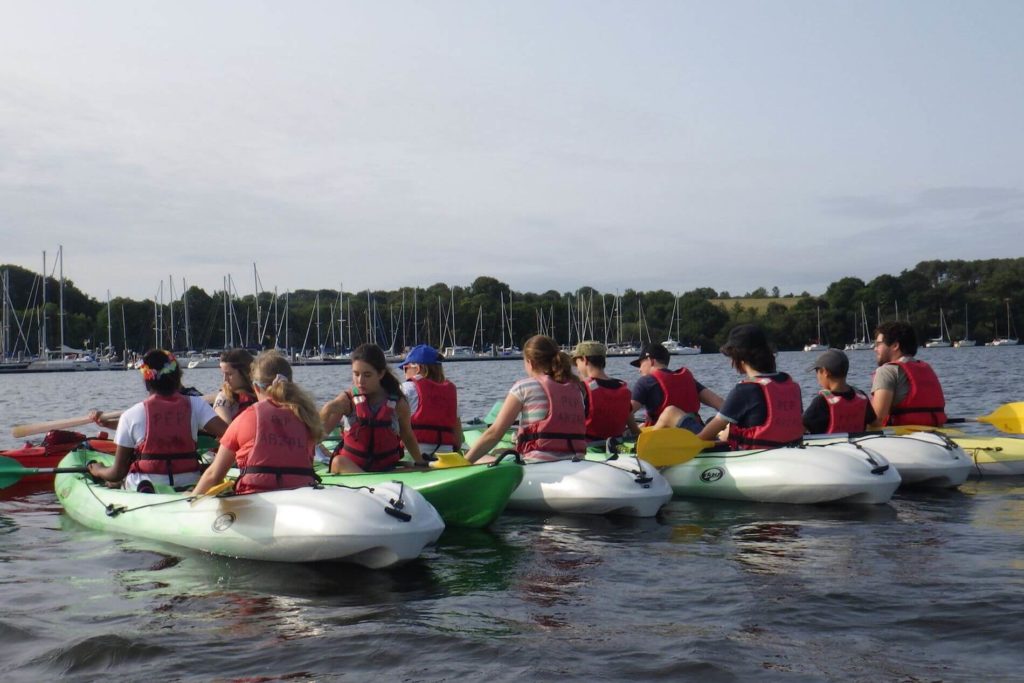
487, 313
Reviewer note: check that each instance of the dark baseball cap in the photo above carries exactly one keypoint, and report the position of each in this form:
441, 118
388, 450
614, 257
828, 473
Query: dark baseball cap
835, 361
653, 351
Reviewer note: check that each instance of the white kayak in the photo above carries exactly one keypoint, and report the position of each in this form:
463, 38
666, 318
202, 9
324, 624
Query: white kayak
377, 526
623, 486
923, 459
834, 473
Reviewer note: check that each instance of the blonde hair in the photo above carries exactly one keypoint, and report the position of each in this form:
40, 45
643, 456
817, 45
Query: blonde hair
273, 374
546, 357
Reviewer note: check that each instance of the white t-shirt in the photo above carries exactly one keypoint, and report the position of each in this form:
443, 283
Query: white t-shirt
131, 428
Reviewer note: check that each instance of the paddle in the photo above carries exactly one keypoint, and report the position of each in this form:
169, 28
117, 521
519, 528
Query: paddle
664, 447
212, 491
42, 427
11, 471
19, 431
1008, 418
453, 459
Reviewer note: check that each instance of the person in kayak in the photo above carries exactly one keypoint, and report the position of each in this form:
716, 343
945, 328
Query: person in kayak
608, 401
433, 401
236, 394
548, 404
671, 398
838, 407
273, 441
904, 390
764, 409
375, 416
156, 438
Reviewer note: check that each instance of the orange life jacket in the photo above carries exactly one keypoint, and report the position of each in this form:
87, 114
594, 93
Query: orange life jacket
563, 430
607, 410
784, 424
436, 412
282, 453
169, 446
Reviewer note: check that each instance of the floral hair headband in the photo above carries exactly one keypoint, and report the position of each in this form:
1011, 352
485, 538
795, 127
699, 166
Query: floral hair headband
149, 374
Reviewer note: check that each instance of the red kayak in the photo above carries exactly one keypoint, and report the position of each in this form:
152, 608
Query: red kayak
54, 446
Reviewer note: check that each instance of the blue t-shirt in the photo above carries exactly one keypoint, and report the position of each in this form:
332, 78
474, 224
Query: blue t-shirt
745, 406
647, 392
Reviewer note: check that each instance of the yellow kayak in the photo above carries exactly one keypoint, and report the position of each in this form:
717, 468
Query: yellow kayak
994, 455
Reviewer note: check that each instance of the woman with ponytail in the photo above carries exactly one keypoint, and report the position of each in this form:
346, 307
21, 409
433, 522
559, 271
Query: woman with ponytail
548, 404
236, 394
273, 442
375, 416
156, 439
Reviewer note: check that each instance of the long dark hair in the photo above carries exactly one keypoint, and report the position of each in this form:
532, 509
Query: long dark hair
241, 360
161, 372
374, 355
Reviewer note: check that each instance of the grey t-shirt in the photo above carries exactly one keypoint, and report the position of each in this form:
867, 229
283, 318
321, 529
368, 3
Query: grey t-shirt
892, 378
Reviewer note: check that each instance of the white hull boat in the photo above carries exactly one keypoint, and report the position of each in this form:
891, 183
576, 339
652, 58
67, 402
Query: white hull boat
923, 459
623, 486
377, 526
833, 473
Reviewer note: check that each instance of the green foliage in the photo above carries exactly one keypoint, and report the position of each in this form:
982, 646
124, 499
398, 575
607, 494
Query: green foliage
417, 315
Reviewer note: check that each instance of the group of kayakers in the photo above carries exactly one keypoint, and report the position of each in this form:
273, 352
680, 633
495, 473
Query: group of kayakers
269, 427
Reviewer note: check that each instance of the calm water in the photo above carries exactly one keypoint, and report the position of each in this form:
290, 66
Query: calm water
929, 587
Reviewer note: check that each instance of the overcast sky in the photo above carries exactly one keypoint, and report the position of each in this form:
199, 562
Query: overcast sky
549, 144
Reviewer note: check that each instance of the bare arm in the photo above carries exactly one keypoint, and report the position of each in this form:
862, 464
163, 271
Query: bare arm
116, 472
510, 410
631, 423
334, 410
711, 429
710, 398
215, 427
216, 472
881, 403
459, 437
405, 432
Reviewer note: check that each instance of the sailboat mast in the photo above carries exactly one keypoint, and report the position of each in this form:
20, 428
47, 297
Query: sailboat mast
60, 313
184, 306
42, 315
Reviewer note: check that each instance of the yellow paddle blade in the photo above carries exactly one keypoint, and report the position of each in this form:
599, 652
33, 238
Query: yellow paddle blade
1008, 417
902, 430
214, 490
449, 460
664, 447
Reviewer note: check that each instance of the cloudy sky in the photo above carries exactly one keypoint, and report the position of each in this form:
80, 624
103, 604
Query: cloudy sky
550, 144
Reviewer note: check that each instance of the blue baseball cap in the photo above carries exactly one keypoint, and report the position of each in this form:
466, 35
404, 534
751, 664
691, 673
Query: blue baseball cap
424, 354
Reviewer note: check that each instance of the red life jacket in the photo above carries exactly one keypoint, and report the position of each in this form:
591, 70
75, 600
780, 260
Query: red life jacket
784, 424
282, 454
169, 447
845, 414
370, 442
436, 412
244, 400
607, 410
679, 388
563, 430
925, 403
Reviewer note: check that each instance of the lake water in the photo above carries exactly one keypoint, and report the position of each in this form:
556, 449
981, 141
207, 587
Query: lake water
929, 587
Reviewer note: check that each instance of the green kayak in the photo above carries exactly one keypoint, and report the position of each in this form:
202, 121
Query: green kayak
471, 496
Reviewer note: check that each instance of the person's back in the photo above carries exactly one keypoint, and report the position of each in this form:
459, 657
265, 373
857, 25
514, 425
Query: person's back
433, 401
904, 390
838, 407
671, 398
608, 400
279, 454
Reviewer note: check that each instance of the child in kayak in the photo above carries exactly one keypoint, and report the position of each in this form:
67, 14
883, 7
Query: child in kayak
433, 402
609, 409
838, 407
375, 415
156, 439
236, 394
764, 409
273, 441
548, 404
